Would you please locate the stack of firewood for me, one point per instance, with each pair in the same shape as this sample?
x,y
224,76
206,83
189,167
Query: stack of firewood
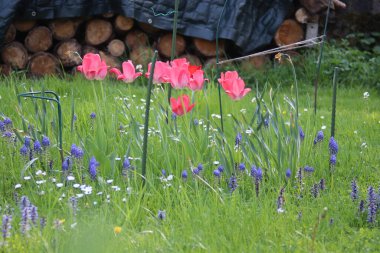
x,y
51,46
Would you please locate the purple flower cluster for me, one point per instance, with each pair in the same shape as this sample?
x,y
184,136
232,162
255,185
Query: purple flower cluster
x,y
232,183
6,226
92,167
45,141
354,190
372,205
319,137
281,201
29,214
301,133
238,139
333,146
76,152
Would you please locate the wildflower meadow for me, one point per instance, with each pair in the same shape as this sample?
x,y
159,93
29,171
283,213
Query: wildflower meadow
x,y
109,160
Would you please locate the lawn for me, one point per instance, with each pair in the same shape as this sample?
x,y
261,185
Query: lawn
x,y
255,186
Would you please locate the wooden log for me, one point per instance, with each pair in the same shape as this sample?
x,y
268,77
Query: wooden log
x,y
42,63
10,34
5,70
136,38
24,25
149,29
210,63
316,6
208,48
39,39
15,55
89,49
123,24
98,31
69,52
303,16
141,55
257,62
63,29
116,47
193,59
164,45
110,60
290,31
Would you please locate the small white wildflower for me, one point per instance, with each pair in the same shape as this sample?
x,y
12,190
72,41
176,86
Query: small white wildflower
x,y
41,193
17,186
95,203
40,182
63,195
323,127
322,117
27,178
366,95
229,115
243,110
305,110
115,187
129,190
170,177
99,193
216,162
355,132
40,172
124,200
117,158
80,195
280,210
109,181
76,185
70,178
59,185
364,145
249,131
87,190
53,180
215,116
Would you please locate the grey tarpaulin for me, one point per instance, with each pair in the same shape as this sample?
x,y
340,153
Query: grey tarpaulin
x,y
250,24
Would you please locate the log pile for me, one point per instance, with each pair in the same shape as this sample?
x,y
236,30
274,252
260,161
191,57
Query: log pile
x,y
46,47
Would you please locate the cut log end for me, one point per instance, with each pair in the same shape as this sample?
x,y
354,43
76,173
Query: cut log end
x,y
208,48
69,53
289,32
39,39
136,38
165,45
123,24
141,55
116,48
257,62
10,34
111,61
63,29
42,64
15,55
24,25
98,31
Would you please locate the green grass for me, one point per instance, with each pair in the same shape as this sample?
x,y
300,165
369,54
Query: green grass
x,y
202,215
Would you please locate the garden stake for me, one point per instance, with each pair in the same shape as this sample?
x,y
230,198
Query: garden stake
x,y
334,102
172,55
218,68
56,99
146,123
316,80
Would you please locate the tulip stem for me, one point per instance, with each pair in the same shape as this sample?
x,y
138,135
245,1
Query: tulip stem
x,y
146,123
173,51
334,102
217,66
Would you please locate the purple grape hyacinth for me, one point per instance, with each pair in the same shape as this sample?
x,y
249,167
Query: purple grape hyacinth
x,y
288,173
232,183
301,133
45,141
6,226
92,167
24,150
354,190
184,174
161,215
319,137
37,146
333,146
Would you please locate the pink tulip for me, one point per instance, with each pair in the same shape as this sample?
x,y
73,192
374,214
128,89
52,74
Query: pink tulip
x,y
179,78
233,85
129,72
196,81
181,105
161,72
180,63
93,67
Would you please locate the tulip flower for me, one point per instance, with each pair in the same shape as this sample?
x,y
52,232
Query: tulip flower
x,y
161,72
233,85
129,72
181,105
196,81
93,67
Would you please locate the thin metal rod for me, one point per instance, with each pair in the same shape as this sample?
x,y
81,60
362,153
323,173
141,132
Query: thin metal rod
x,y
300,44
316,80
334,102
146,123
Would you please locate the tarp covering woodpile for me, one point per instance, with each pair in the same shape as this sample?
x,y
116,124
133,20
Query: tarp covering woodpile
x,y
249,24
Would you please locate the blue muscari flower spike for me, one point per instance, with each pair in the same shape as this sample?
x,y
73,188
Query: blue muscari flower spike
x,y
34,214
266,123
66,164
92,167
332,160
319,137
196,171
196,122
126,163
221,168
200,167
288,173
92,115
354,190
161,215
232,183
242,167
174,116
24,150
6,226
37,146
308,169
301,133
27,141
259,174
216,173
7,121
7,134
45,141
253,171
184,174
163,172
24,202
333,146
372,207
238,139
2,126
